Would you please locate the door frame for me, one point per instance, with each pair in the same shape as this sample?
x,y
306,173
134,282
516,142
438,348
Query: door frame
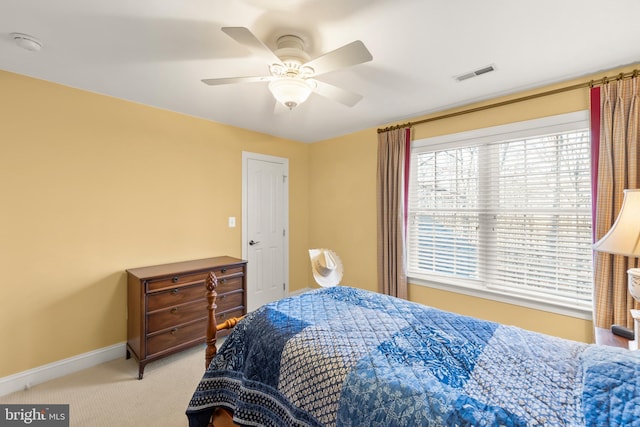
x,y
246,156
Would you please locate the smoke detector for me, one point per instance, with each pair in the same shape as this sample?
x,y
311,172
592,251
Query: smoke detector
x,y
26,42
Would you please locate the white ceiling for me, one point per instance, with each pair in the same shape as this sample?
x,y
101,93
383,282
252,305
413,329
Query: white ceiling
x,y
156,52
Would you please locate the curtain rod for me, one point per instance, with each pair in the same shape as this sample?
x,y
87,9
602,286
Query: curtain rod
x,y
590,83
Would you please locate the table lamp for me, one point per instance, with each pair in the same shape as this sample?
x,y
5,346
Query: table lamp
x,y
624,239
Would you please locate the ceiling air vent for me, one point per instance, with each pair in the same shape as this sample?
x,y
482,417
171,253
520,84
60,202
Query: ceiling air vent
x,y
475,73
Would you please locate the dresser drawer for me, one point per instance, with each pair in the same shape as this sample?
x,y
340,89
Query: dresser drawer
x,y
177,280
176,315
227,284
175,296
176,336
222,316
228,271
228,301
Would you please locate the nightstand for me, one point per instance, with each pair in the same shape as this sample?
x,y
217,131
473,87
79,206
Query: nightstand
x,y
606,337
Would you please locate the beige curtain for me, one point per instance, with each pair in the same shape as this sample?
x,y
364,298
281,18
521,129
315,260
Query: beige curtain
x,y
392,150
617,170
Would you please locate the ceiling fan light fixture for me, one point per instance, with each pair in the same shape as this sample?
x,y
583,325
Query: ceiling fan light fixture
x,y
290,92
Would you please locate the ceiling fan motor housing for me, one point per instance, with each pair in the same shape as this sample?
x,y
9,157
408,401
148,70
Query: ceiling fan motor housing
x,y
291,53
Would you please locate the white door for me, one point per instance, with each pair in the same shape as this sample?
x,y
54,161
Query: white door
x,y
265,227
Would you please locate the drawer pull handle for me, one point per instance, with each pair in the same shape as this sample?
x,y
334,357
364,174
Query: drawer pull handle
x,y
224,270
221,280
174,310
173,331
222,297
174,279
174,291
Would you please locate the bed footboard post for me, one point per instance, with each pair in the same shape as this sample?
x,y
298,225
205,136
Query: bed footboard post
x,y
212,327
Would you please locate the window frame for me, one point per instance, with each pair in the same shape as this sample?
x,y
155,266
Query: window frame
x,y
524,129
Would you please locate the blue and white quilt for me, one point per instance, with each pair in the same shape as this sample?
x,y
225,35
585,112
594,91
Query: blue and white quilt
x,y
347,357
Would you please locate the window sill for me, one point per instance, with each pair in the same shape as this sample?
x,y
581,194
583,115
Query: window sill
x,y
504,298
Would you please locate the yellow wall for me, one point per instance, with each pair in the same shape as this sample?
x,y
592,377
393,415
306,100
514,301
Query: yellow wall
x,y
93,185
342,206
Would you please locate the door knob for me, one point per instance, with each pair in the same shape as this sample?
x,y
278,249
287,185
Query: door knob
x,y
253,242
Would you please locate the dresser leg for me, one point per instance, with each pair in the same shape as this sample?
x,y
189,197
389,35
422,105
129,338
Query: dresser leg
x,y
140,370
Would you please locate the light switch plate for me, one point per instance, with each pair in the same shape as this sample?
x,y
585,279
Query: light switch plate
x,y
232,221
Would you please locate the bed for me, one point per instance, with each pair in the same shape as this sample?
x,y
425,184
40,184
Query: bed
x,y
343,356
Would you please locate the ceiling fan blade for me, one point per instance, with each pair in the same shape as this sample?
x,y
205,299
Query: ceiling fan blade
x,y
346,56
245,37
231,80
335,93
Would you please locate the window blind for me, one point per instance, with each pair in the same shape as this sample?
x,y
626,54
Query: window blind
x,y
510,215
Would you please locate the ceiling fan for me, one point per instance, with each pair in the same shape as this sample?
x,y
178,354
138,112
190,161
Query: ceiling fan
x,y
292,71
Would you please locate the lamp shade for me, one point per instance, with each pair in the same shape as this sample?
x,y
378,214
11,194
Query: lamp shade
x,y
624,236
290,92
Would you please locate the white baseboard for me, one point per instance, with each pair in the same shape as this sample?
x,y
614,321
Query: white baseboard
x,y
26,379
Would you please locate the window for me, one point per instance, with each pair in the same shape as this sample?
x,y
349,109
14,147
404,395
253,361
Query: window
x,y
505,211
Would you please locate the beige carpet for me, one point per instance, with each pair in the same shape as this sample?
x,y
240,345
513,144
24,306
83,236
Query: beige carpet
x,y
110,394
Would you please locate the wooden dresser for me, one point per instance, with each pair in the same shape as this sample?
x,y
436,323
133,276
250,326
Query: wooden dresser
x,y
167,308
